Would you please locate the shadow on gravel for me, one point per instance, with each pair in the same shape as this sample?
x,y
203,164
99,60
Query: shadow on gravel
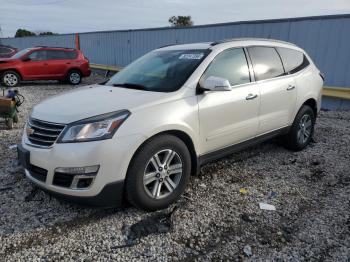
x,y
159,223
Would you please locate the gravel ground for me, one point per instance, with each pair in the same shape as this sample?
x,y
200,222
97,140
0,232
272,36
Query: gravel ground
x,y
212,221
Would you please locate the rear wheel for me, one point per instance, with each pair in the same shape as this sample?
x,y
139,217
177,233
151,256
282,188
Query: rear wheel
x,y
158,173
74,77
10,78
302,129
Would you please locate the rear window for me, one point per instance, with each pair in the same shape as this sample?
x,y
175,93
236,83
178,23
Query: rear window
x,y
293,60
60,54
266,62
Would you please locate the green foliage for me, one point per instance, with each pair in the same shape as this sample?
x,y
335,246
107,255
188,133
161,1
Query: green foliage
x,y
47,33
181,21
23,33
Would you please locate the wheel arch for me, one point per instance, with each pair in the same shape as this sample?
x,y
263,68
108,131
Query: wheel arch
x,y
312,103
185,138
11,69
74,69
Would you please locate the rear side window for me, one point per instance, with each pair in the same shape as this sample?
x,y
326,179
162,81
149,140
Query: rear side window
x,y
293,60
58,54
230,64
266,62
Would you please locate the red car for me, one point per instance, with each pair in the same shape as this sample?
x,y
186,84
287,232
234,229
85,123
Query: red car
x,y
7,51
44,63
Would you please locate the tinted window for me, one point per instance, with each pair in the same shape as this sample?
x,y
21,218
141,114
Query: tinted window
x,y
58,54
230,64
266,62
293,60
38,55
160,71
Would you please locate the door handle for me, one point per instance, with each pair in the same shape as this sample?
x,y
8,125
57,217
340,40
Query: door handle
x,y
290,87
68,63
251,96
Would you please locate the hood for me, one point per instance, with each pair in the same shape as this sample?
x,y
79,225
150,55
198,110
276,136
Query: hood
x,y
91,101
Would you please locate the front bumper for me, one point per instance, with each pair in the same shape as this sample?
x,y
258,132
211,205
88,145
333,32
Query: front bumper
x,y
112,195
112,155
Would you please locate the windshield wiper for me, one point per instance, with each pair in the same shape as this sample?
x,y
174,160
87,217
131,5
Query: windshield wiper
x,y
131,86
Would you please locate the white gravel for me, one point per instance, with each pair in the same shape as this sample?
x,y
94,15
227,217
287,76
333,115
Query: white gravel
x,y
212,221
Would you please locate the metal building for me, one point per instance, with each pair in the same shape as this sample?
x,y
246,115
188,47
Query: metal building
x,y
325,38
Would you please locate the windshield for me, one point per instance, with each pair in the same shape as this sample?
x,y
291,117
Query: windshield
x,y
20,53
160,71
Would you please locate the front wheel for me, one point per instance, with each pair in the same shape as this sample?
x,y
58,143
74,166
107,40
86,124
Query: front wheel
x,y
301,132
10,78
158,173
74,77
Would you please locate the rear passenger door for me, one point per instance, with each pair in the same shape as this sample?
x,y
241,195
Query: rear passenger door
x,y
277,90
59,62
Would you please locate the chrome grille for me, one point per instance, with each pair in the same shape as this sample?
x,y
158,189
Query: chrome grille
x,y
43,134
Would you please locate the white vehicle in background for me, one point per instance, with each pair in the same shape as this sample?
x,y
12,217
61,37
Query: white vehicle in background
x,y
141,135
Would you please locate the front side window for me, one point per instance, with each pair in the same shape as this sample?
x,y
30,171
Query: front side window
x,y
266,62
38,55
159,71
230,64
293,60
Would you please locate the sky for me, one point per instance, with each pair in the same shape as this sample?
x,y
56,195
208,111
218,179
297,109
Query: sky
x,y
70,16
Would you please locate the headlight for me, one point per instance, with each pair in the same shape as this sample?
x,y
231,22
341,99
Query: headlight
x,y
95,128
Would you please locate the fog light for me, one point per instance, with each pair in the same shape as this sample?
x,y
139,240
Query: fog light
x,y
84,182
75,177
78,170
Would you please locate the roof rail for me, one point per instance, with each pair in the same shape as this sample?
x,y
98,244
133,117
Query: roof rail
x,y
43,46
167,45
250,38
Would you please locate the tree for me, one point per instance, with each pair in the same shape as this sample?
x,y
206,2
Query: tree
x,y
22,33
181,21
47,33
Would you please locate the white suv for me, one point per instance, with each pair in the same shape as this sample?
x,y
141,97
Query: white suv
x,y
141,135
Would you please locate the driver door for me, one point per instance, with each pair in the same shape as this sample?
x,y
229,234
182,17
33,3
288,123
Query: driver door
x,y
37,66
229,117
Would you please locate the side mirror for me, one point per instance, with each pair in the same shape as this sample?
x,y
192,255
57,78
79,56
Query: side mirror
x,y
26,59
213,83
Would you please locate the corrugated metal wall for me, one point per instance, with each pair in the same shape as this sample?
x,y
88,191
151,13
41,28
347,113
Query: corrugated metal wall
x,y
325,38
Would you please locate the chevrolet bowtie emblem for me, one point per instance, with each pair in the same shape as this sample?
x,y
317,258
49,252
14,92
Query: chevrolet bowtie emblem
x,y
29,131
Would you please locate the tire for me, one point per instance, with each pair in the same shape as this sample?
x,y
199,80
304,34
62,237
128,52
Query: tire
x,y
74,77
302,130
165,185
10,78
9,123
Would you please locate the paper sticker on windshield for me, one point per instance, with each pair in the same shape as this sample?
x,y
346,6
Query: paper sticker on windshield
x,y
192,56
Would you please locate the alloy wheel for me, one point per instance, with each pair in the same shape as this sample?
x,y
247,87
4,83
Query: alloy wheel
x,y
162,174
74,78
304,129
10,79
